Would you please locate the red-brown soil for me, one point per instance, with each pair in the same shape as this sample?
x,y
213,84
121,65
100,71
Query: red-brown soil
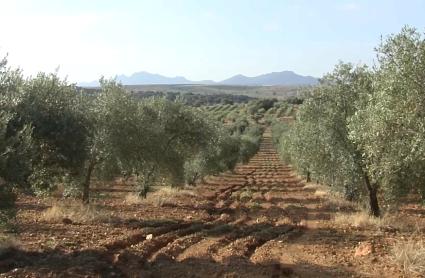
x,y
258,221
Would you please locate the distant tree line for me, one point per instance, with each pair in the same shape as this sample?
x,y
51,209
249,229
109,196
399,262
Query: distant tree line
x,y
196,100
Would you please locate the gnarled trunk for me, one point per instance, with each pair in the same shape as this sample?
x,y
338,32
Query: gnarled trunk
x,y
373,198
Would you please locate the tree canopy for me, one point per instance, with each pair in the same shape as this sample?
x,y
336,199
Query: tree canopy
x,y
362,130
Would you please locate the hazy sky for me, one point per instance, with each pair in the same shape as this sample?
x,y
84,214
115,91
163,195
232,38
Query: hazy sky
x,y
197,39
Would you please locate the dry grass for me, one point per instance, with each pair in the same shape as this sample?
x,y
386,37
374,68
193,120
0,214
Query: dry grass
x,y
76,212
284,221
312,185
245,195
321,193
176,192
320,190
362,219
335,203
235,195
410,255
133,199
166,195
388,221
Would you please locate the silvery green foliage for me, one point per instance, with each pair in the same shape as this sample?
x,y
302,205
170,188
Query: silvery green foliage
x,y
69,136
318,142
15,157
15,152
176,134
390,126
117,138
53,109
15,144
152,139
236,142
367,124
221,154
249,142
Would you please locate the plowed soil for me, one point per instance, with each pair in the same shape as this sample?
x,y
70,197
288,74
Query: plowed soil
x,y
257,221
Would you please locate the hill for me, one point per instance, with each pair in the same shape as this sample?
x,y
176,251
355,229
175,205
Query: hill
x,y
283,78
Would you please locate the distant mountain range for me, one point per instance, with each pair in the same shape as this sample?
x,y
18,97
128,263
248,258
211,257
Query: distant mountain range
x,y
283,78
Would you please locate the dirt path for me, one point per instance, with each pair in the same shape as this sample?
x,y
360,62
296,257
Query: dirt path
x,y
261,223
258,221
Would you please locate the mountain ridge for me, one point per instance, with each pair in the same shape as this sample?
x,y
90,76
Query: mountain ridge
x,y
282,78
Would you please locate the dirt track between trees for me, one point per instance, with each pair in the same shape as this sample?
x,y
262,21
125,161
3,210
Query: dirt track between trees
x,y
257,221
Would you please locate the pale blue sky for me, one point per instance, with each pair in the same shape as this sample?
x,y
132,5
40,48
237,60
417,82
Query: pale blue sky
x,y
197,39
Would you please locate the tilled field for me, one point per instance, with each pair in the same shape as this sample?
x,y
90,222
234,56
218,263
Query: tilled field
x,y
258,221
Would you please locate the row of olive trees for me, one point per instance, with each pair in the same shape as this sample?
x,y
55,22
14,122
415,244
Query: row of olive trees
x,y
53,133
238,142
363,130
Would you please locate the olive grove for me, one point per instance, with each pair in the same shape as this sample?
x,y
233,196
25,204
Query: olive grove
x,y
54,133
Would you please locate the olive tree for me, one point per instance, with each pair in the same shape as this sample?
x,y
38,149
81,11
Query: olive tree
x,y
293,146
59,127
75,133
221,154
319,142
15,144
118,138
175,134
390,126
249,142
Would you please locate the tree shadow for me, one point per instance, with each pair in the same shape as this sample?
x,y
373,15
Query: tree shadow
x,y
57,263
31,206
240,267
100,263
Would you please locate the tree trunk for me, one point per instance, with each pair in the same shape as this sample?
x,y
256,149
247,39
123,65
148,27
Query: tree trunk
x,y
143,191
86,184
373,198
192,181
308,176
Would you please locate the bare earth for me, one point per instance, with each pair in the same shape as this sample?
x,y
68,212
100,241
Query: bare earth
x,y
258,221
